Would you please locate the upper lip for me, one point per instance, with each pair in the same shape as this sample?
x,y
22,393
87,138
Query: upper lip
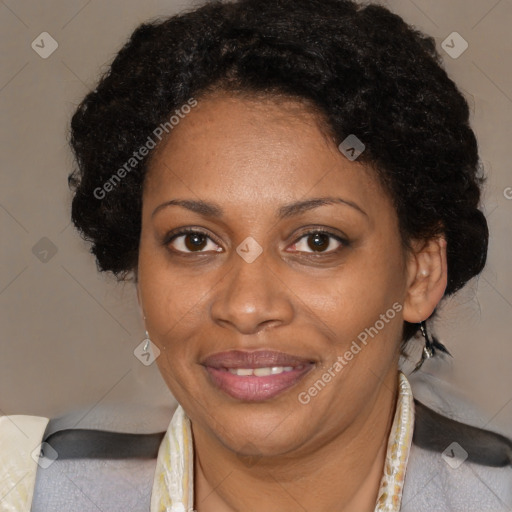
x,y
253,359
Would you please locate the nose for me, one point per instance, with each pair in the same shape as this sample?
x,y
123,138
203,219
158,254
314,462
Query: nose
x,y
252,296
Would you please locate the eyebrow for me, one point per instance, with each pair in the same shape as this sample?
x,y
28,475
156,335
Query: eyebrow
x,y
209,209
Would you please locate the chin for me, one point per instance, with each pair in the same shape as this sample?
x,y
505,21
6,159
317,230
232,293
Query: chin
x,y
261,429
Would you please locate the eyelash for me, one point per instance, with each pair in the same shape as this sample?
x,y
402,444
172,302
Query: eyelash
x,y
170,237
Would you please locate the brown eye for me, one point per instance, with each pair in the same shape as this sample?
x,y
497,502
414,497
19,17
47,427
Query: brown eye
x,y
195,241
191,240
318,242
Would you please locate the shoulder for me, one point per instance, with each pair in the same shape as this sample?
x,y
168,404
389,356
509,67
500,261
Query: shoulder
x,y
443,483
453,464
86,484
94,459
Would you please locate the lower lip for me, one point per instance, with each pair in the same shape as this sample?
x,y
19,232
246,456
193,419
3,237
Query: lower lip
x,y
255,389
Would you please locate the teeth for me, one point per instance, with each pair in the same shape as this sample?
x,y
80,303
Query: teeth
x,y
262,372
242,372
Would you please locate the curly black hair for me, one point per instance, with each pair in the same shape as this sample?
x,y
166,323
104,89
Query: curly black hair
x,y
362,67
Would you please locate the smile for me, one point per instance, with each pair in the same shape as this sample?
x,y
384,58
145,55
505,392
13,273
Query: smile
x,y
255,376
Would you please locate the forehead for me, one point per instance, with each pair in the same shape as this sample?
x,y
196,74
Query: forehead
x,y
241,149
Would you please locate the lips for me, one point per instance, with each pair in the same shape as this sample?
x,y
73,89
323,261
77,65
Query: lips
x,y
254,359
256,375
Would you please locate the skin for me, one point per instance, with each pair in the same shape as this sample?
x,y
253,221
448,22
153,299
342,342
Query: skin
x,y
251,156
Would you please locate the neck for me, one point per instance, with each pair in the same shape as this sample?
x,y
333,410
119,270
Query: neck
x,y
342,475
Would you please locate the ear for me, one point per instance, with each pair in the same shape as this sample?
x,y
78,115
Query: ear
x,y
427,271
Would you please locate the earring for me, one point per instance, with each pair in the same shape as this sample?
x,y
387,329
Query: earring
x,y
431,345
428,349
148,341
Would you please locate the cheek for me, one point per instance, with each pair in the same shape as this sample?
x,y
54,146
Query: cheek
x,y
173,299
356,294
362,306
174,373
176,303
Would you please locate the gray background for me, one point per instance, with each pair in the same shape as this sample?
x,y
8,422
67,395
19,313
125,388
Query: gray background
x,y
69,333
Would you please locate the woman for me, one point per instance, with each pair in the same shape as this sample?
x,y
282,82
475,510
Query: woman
x,y
294,187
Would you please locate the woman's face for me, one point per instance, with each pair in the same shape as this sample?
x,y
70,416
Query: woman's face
x,y
252,314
